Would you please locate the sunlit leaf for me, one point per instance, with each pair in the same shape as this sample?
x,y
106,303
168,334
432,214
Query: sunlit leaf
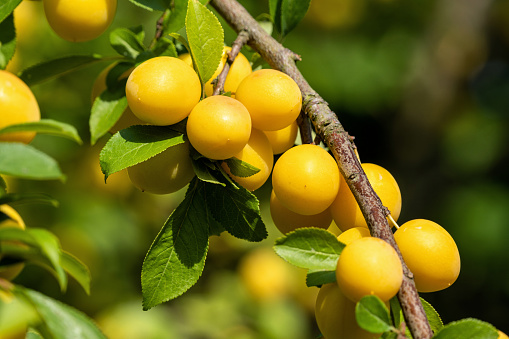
x,y
372,315
46,126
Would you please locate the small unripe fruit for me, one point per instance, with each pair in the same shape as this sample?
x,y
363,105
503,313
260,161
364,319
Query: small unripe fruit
x,y
79,20
346,211
306,179
272,98
353,234
283,139
430,253
163,90
287,221
335,315
369,266
257,153
164,173
219,127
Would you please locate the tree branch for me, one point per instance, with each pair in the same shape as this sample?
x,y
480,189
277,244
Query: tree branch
x,y
332,133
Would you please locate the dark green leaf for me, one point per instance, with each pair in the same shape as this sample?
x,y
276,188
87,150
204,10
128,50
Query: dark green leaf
x,y
396,312
433,317
165,47
275,13
176,259
206,39
115,78
205,173
3,186
372,315
311,248
467,328
240,168
6,8
24,161
106,110
319,278
126,43
57,67
152,5
136,144
27,198
46,126
7,41
238,210
292,12
76,269
59,321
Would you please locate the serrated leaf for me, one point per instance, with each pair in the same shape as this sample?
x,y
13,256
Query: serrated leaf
x,y
319,278
136,144
241,168
6,8
59,321
27,198
467,328
24,161
311,248
126,43
372,315
46,126
238,210
206,39
44,242
7,41
106,110
433,317
176,258
50,69
152,5
205,173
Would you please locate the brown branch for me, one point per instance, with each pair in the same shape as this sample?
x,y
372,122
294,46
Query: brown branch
x,y
159,28
331,131
237,45
305,128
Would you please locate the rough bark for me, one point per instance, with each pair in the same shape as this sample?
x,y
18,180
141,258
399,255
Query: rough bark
x,y
332,133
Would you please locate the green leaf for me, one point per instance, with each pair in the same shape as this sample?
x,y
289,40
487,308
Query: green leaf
x,y
59,321
56,67
27,198
292,12
467,328
177,18
136,144
3,186
372,315
311,248
106,110
176,259
319,278
126,43
33,334
433,317
165,47
6,8
238,210
275,12
206,173
7,41
396,312
152,5
24,161
240,168
206,39
46,126
115,78
76,269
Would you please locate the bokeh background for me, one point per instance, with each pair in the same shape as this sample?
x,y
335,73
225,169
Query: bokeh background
x,y
422,85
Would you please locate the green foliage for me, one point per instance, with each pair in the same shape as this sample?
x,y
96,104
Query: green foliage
x,y
372,315
6,8
46,126
128,42
152,5
286,14
7,41
312,248
467,328
206,39
177,18
47,70
24,161
241,168
23,198
433,317
57,320
136,144
319,278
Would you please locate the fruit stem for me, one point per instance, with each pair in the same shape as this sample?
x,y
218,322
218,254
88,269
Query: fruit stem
x,y
393,222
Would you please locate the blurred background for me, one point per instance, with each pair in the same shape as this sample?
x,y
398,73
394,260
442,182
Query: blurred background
x,y
422,85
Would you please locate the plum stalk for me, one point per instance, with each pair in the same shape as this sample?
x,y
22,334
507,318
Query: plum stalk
x,y
332,133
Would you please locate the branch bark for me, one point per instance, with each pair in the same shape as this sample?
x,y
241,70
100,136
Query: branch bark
x,y
332,133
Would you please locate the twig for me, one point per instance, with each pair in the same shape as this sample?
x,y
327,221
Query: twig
x,y
338,140
305,128
237,45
